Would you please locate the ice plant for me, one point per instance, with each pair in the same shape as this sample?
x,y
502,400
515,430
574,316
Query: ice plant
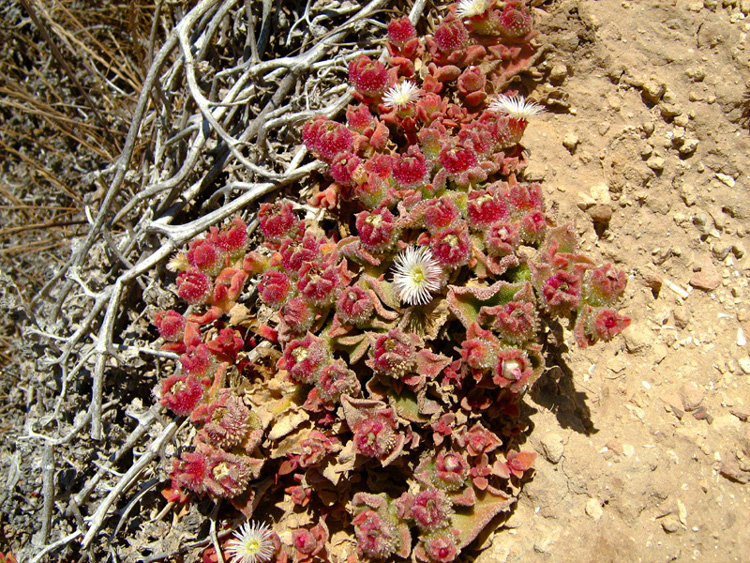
x,y
402,95
515,106
416,275
470,8
377,361
252,543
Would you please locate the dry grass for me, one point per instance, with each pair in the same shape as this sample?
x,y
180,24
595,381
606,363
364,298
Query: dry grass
x,y
69,77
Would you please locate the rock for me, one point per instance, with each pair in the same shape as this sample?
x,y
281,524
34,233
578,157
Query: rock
x,y
570,141
653,91
552,447
601,214
744,363
674,403
731,470
742,414
696,74
669,111
594,509
653,281
637,338
660,352
707,278
738,249
726,179
691,395
585,201
558,73
542,545
655,163
702,414
670,523
741,339
660,255
727,425
682,120
601,194
703,222
688,147
719,217
721,249
687,193
615,446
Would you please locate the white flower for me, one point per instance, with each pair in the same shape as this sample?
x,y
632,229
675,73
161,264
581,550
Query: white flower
x,y
252,543
471,8
402,94
178,263
515,107
417,275
512,370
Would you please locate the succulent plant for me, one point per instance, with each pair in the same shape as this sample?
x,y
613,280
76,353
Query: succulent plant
x,y
403,348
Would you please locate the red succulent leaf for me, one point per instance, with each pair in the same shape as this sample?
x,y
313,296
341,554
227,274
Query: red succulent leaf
x,y
369,77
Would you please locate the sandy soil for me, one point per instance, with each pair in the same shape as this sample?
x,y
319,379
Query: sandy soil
x,y
644,442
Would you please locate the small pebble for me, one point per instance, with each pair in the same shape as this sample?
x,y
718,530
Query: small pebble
x,y
670,523
601,194
744,364
594,509
688,147
697,74
691,395
660,352
655,163
687,193
726,179
682,120
637,338
600,214
669,111
615,446
706,279
703,222
552,447
653,91
721,249
558,73
570,141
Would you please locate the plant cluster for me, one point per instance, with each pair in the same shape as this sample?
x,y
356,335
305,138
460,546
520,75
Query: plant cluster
x,y
381,369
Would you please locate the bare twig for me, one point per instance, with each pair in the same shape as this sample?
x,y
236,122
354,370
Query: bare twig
x,y
48,489
97,519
